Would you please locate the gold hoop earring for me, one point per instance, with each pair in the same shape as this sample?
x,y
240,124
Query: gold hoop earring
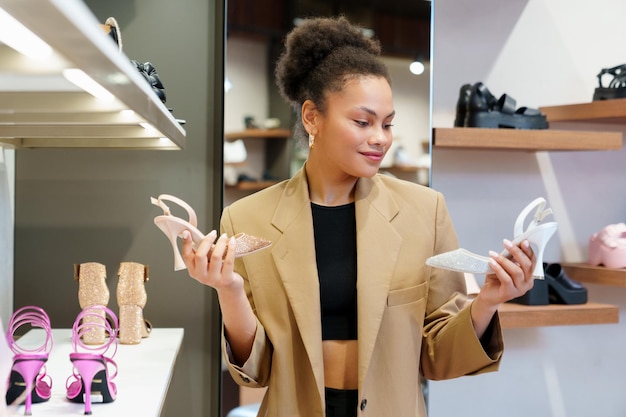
x,y
311,141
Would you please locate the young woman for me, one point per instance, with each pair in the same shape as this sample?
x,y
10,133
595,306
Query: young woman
x,y
341,314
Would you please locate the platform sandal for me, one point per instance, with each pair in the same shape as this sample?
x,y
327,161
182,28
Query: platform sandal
x,y
616,87
483,112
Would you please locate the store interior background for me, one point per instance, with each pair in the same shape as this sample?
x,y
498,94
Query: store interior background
x,y
73,206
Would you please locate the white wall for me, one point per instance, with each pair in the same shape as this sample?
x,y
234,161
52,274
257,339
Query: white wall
x,y
541,52
7,204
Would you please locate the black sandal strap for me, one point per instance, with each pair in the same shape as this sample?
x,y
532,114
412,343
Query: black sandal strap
x,y
506,104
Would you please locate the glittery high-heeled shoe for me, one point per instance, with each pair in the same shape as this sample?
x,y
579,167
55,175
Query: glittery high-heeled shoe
x,y
173,227
28,382
92,291
537,233
131,299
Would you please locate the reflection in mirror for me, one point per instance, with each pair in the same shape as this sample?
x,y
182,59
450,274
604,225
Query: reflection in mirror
x,y
257,122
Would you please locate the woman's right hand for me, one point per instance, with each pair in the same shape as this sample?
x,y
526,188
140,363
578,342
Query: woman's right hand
x,y
212,261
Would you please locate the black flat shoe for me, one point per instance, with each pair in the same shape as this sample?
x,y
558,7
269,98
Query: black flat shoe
x,y
563,289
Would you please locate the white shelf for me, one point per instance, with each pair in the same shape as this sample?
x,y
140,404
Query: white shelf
x,y
144,374
39,108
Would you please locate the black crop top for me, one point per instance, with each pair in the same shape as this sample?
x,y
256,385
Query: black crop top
x,y
335,253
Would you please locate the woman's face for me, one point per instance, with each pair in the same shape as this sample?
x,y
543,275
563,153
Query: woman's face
x,y
354,133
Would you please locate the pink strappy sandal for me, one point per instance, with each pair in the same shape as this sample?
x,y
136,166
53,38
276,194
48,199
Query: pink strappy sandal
x,y
29,383
92,364
174,226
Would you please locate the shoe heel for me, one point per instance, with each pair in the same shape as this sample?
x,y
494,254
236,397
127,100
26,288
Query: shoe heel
x,y
92,291
538,239
28,367
87,368
131,299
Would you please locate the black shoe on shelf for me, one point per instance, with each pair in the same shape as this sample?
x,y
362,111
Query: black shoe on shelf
x,y
563,289
536,296
461,105
616,87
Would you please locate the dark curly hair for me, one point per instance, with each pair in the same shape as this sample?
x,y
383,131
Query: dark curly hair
x,y
320,56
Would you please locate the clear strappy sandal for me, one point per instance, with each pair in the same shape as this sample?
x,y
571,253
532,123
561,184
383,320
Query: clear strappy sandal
x,y
174,226
537,233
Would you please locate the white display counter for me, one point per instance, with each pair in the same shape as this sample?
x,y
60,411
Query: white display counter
x,y
144,374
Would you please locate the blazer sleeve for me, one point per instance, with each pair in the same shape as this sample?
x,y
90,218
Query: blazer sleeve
x,y
255,371
451,347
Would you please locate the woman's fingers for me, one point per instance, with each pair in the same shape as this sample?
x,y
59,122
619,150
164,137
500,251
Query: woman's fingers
x,y
516,270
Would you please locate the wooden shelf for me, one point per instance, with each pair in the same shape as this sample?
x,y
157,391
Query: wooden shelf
x,y
517,315
258,134
604,111
592,274
39,108
525,140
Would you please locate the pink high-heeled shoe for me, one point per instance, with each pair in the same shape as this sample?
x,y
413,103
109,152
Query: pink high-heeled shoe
x,y
93,365
608,246
537,233
173,227
29,383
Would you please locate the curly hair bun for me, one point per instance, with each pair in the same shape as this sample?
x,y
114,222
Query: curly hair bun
x,y
320,53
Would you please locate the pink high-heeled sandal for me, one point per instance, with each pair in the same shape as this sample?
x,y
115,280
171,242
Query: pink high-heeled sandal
x,y
29,383
174,226
537,233
92,363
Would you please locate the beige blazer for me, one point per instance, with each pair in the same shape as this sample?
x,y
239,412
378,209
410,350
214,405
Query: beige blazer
x,y
411,318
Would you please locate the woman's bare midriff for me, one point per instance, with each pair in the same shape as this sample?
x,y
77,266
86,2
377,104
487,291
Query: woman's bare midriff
x,y
340,364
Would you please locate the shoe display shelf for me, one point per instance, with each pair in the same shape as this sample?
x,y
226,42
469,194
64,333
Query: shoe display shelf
x,y
144,374
525,140
276,149
518,315
40,108
591,274
600,112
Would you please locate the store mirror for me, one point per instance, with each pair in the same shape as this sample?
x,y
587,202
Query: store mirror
x,y
257,123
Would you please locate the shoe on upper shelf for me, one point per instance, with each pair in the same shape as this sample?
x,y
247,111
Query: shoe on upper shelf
x,y
477,107
608,246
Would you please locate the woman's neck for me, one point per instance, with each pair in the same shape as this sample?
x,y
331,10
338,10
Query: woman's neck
x,y
326,190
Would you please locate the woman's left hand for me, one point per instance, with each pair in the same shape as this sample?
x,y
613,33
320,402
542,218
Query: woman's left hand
x,y
512,277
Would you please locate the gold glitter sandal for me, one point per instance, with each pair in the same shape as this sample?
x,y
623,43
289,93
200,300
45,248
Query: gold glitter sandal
x,y
173,226
131,299
92,291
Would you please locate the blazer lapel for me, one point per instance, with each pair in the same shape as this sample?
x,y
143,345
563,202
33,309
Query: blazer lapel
x,y
294,257
378,245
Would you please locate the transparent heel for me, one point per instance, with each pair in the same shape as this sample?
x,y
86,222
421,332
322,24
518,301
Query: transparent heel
x,y
537,233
